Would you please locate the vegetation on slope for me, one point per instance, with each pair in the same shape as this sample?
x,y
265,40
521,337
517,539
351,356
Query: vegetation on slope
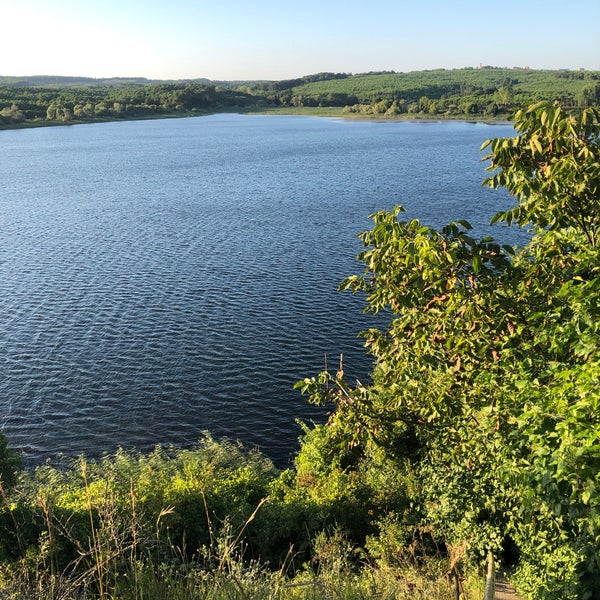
x,y
488,372
214,521
52,105
479,433
484,92
465,93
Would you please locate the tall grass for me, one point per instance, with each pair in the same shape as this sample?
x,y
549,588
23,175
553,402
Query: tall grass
x,y
186,525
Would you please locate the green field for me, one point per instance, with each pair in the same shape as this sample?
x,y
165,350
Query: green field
x,y
529,85
479,92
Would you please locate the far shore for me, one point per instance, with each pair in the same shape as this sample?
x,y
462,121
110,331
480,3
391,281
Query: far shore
x,y
333,112
338,112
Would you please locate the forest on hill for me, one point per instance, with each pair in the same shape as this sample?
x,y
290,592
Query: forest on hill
x,y
460,93
486,91
41,105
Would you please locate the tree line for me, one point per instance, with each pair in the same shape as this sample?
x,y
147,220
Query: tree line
x,y
459,92
21,104
465,93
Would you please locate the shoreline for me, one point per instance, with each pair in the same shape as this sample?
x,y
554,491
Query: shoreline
x,y
333,112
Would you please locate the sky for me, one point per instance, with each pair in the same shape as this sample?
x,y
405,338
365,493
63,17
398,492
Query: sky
x,y
255,39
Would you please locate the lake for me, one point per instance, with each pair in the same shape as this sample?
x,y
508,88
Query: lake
x,y
163,278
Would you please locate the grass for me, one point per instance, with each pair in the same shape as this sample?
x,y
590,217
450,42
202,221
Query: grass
x,y
144,579
310,111
123,529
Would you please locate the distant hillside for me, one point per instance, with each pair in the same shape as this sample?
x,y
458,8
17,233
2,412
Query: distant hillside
x,y
440,82
460,93
61,81
472,91
58,81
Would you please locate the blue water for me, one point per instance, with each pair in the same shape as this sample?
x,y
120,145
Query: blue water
x,y
163,278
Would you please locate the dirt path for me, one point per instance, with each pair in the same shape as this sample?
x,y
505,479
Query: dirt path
x,y
505,591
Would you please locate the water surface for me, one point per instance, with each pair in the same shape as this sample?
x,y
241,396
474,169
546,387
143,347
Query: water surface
x,y
163,278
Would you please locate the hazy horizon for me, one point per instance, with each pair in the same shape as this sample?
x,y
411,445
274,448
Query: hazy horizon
x,y
297,76
189,39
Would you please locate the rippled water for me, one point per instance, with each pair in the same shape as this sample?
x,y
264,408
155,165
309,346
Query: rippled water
x,y
162,278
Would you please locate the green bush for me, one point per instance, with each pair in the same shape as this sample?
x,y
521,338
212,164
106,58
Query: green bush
x,y
10,464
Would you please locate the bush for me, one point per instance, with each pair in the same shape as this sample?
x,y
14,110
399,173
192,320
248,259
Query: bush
x,y
10,464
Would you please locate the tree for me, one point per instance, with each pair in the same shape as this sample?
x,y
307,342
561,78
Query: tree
x,y
14,114
553,458
551,168
487,375
589,95
425,104
505,95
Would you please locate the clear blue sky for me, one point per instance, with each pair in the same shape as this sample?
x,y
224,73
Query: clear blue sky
x,y
254,39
